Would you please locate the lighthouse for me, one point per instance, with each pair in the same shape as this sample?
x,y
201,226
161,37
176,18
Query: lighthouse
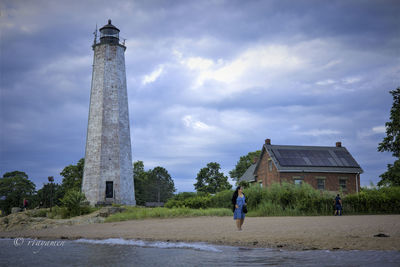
x,y
108,172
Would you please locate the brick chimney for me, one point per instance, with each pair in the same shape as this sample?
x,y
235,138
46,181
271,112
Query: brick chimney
x,y
267,141
255,159
338,144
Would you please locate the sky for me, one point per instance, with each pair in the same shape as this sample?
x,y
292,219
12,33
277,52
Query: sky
x,y
208,81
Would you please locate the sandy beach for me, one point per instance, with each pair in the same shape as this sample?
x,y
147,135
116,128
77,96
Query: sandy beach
x,y
292,233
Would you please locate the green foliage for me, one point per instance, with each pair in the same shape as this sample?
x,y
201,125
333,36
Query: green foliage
x,y
184,195
243,164
201,200
222,199
392,176
58,212
135,213
210,180
38,212
49,194
195,202
154,185
140,181
161,186
244,184
74,202
14,187
73,175
385,200
287,200
391,142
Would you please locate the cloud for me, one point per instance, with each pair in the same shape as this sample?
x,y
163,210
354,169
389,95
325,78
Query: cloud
x,y
152,77
379,129
196,125
325,82
319,132
247,70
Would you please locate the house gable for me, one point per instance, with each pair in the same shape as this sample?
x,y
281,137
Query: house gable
x,y
248,176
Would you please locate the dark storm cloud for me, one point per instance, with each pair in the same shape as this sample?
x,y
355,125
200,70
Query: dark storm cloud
x,y
207,80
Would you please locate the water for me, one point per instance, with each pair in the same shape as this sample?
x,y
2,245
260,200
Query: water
x,y
121,252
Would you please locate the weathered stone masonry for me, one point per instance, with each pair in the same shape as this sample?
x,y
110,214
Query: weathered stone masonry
x,y
108,159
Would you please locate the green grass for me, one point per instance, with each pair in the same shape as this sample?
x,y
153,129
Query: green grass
x,y
137,213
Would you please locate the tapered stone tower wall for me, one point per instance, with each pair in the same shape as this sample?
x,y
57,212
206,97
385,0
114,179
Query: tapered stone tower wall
x,y
108,173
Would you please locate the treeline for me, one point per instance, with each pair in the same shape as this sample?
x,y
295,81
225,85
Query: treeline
x,y
153,185
293,200
66,198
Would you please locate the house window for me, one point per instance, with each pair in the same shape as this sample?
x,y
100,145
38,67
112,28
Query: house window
x,y
343,184
298,181
321,184
270,165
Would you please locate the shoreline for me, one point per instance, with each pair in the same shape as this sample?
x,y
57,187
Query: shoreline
x,y
290,233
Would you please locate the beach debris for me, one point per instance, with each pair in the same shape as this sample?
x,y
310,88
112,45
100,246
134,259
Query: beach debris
x,y
381,235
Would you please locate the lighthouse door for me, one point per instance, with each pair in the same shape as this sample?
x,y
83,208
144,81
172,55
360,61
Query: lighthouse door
x,y
109,189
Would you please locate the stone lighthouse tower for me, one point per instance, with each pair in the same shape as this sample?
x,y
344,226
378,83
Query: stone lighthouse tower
x,y
108,173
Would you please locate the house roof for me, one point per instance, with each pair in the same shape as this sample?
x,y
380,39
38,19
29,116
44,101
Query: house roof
x,y
311,159
248,176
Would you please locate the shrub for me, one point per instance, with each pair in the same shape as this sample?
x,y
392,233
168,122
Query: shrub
x,y
74,202
290,199
382,200
194,202
254,196
222,199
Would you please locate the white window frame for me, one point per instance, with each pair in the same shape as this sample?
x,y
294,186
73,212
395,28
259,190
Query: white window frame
x,y
345,183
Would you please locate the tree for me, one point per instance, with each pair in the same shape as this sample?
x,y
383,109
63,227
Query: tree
x,y
210,180
73,175
391,143
243,164
140,178
160,186
14,187
392,176
153,185
50,192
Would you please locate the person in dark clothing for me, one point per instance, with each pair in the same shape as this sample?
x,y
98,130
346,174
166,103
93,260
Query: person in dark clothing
x,y
338,205
25,203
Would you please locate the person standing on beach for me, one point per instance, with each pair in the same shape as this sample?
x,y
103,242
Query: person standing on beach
x,y
338,205
238,201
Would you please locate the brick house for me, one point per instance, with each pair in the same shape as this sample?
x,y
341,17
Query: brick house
x,y
324,168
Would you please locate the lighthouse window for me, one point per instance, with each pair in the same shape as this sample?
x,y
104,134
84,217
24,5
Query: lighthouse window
x,y
109,33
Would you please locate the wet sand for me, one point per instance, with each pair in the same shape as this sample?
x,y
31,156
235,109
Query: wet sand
x,y
293,233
